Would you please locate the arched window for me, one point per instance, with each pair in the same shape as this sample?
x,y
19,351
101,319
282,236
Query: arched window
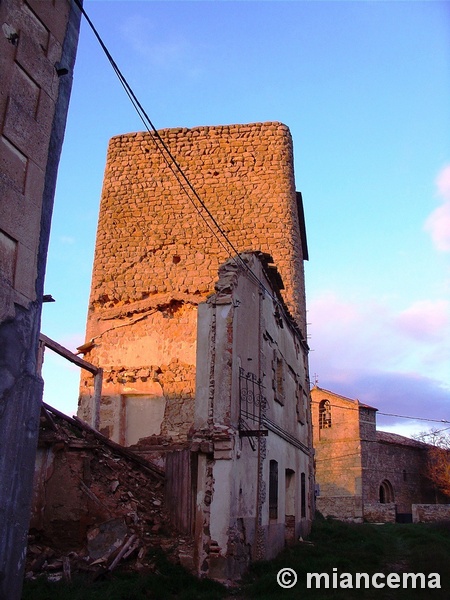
x,y
324,414
386,492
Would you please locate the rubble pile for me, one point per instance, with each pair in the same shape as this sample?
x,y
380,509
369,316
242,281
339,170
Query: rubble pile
x,y
96,505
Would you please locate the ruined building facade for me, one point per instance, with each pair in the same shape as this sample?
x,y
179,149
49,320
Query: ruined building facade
x,y
186,327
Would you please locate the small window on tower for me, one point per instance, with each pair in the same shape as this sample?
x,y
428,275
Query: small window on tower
x,y
324,414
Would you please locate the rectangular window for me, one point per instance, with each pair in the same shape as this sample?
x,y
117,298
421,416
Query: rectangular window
x,y
303,494
300,405
290,492
278,378
273,490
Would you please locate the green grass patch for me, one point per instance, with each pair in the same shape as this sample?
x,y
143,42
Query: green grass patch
x,y
353,548
168,581
350,548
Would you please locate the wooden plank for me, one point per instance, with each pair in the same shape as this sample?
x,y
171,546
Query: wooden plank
x,y
65,353
79,423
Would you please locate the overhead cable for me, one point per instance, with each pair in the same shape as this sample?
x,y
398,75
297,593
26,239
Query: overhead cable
x,y
175,167
383,413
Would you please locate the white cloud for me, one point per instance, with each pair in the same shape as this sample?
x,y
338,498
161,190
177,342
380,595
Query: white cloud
x,y
66,239
341,338
438,223
168,52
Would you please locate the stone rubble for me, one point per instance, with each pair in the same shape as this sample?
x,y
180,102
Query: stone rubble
x,y
97,505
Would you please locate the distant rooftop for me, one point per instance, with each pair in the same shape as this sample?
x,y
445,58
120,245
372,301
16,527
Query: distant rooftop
x,y
400,440
352,400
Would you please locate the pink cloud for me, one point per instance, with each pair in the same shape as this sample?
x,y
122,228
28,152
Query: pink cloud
x,y
344,333
350,337
329,308
443,183
438,223
424,320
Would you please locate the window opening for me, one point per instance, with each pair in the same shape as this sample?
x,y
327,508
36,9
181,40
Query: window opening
x,y
386,492
303,494
273,490
324,414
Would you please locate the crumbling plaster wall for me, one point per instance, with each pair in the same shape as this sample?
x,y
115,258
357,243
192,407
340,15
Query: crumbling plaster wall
x,y
242,336
156,259
149,355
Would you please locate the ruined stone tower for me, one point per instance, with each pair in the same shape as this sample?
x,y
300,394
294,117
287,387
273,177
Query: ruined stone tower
x,y
156,259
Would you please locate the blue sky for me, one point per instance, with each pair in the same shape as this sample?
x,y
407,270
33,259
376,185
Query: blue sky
x,y
365,89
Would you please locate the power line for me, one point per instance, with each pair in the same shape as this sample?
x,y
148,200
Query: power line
x,y
150,127
414,418
176,168
383,413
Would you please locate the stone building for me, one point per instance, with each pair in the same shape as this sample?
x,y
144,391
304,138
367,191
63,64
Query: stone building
x,y
362,473
163,234
252,428
38,42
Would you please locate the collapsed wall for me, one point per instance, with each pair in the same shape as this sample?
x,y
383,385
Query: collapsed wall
x,y
158,253
96,505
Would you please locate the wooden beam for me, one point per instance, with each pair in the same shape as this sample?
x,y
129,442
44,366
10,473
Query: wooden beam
x,y
65,353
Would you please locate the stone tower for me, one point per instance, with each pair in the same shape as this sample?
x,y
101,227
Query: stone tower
x,y
157,257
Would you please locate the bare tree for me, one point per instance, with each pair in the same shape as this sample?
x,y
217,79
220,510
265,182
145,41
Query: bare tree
x,y
438,459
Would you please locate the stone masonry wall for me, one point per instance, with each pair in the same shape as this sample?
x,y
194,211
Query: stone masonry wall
x,y
380,513
344,508
428,513
156,259
38,42
151,239
403,467
337,447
